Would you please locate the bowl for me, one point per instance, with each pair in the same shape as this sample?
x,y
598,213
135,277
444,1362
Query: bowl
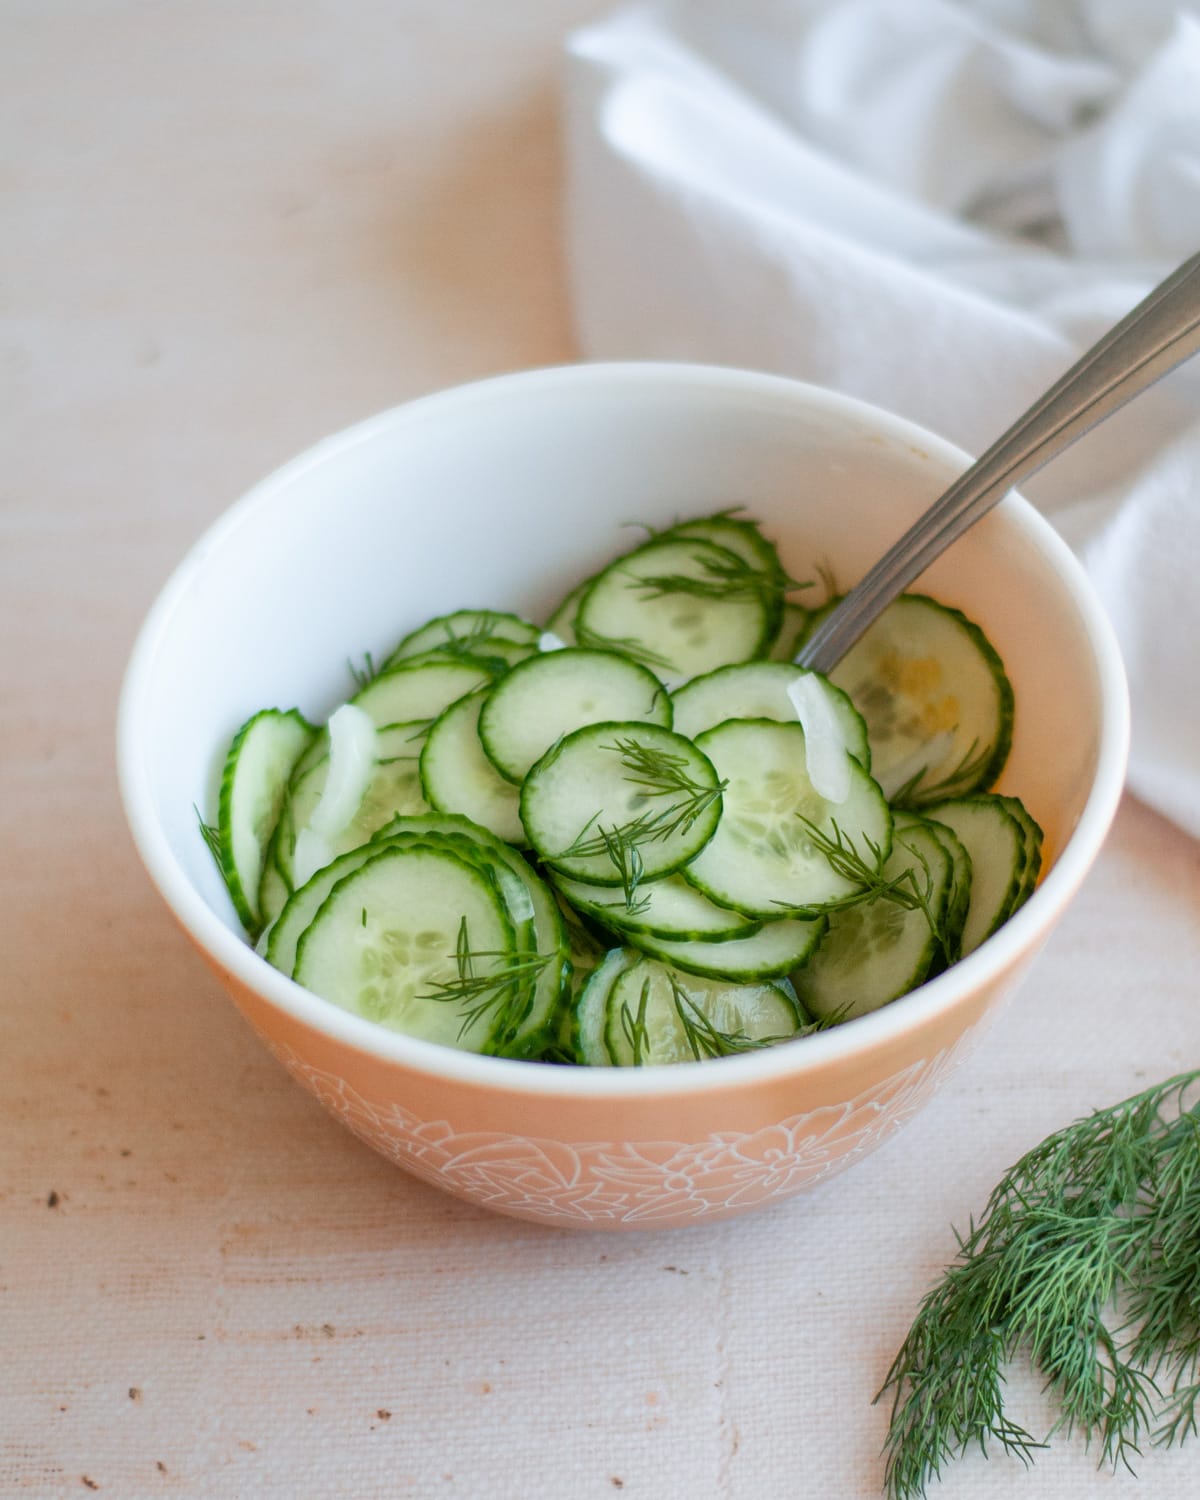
x,y
505,493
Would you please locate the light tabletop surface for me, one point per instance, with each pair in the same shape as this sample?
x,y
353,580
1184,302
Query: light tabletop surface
x,y
229,229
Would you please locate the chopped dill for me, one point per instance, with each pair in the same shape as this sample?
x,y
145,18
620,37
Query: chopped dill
x,y
624,645
732,578
212,837
634,1027
365,674
917,792
626,859
659,773
656,773
871,884
704,1037
472,646
504,989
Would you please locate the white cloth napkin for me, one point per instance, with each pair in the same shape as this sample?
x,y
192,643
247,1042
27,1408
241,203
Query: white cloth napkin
x,y
933,206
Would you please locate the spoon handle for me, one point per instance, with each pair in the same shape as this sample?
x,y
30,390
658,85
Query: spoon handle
x,y
1161,332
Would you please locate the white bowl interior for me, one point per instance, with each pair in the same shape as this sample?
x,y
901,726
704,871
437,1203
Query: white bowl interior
x,y
504,494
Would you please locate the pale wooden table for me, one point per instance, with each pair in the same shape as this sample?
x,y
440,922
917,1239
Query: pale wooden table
x,y
229,230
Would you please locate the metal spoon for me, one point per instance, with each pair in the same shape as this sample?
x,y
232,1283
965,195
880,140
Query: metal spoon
x,y
1161,332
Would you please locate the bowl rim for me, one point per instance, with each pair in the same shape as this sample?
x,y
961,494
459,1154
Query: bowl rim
x,y
1018,938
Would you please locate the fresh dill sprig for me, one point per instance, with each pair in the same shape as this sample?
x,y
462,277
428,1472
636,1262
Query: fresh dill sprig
x,y
769,569
365,674
621,844
732,578
626,859
504,989
473,645
660,773
223,861
212,837
728,513
468,640
842,857
917,792
624,645
656,773
906,889
871,885
704,1037
635,1028
1086,1259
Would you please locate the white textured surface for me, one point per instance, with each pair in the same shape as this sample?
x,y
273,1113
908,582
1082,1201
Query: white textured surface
x,y
835,184
230,230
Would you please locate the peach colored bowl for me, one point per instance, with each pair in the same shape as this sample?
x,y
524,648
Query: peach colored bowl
x,y
504,493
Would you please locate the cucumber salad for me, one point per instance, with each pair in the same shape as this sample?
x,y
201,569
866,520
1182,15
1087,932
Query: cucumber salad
x,y
637,833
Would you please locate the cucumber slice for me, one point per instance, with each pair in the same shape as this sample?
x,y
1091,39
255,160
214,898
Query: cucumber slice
x,y
762,859
877,951
1033,846
591,1008
473,631
253,787
547,941
303,904
656,1015
553,693
457,777
744,539
492,660
681,607
537,977
666,908
404,694
759,690
635,785
392,932
273,889
739,535
936,700
995,841
435,830
958,896
770,953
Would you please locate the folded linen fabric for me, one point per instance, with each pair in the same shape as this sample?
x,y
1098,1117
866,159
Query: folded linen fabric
x,y
933,206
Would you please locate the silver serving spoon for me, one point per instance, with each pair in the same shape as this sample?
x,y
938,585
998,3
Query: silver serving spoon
x,y
1161,332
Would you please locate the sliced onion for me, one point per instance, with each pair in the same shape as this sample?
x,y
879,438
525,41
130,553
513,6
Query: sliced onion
x,y
351,762
826,755
312,853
